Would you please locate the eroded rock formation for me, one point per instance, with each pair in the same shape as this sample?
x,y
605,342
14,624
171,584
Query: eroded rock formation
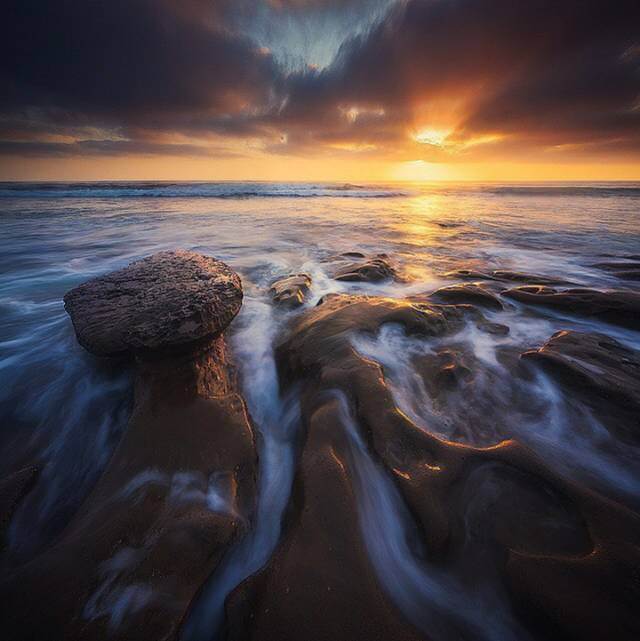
x,y
180,487
506,276
625,270
395,528
484,514
603,373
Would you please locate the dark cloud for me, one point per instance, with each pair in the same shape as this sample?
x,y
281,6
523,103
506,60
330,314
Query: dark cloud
x,y
127,60
107,148
510,78
555,72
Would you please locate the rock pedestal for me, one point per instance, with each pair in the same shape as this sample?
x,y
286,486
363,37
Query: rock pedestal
x,y
180,487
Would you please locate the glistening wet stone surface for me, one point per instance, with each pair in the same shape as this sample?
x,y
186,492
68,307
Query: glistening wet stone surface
x,y
159,302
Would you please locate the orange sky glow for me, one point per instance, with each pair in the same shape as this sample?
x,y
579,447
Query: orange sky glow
x,y
360,90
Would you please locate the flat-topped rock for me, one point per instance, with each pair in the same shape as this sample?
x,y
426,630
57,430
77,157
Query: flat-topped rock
x,y
169,299
291,290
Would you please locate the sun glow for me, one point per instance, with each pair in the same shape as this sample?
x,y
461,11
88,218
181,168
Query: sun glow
x,y
434,137
420,170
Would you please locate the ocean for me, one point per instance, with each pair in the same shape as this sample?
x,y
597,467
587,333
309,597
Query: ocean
x,y
66,410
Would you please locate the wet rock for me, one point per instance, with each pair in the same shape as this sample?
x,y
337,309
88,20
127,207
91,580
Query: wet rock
x,y
162,301
469,293
467,274
616,307
617,266
624,270
523,277
496,329
493,514
291,291
321,337
630,274
320,583
178,491
603,372
505,275
450,370
12,490
371,269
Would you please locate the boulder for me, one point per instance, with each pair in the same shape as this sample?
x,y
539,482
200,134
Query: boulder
x,y
523,277
371,269
291,291
162,301
496,329
616,307
465,274
615,266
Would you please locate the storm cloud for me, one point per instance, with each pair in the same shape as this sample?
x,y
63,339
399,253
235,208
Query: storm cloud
x,y
299,77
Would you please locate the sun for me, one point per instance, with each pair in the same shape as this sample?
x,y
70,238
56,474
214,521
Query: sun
x,y
434,137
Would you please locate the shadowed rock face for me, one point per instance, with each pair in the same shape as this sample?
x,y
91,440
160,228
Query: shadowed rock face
x,y
166,300
291,291
603,372
616,307
12,490
180,487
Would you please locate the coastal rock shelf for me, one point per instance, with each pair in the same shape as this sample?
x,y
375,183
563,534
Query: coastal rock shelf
x,y
428,497
471,505
472,293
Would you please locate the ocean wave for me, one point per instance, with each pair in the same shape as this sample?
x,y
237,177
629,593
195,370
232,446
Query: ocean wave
x,y
195,190
586,190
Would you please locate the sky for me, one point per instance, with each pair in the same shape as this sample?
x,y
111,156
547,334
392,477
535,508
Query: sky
x,y
345,90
